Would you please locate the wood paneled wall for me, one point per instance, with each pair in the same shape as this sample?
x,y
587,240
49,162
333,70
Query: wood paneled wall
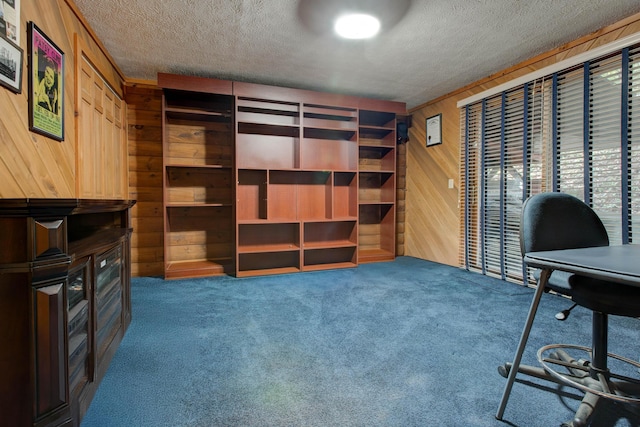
x,y
432,228
32,165
144,117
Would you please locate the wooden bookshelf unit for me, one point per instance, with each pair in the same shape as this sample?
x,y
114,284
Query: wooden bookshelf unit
x,y
198,184
377,189
266,180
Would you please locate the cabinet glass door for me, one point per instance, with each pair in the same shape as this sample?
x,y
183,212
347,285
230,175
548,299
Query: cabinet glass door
x,y
108,296
78,291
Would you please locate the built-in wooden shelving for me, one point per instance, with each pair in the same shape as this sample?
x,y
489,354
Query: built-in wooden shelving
x,y
264,180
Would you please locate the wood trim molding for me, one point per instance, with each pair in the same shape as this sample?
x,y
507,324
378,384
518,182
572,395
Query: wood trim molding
x,y
82,49
74,9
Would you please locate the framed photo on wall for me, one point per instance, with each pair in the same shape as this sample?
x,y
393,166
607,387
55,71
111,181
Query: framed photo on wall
x,y
434,130
46,85
10,20
10,65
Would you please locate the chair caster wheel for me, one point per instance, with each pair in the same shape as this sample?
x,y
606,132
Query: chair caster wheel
x,y
574,423
503,370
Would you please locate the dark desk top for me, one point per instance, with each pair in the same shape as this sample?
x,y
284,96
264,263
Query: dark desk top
x,y
614,263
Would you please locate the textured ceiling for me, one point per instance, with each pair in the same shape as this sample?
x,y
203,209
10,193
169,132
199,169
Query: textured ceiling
x,y
439,45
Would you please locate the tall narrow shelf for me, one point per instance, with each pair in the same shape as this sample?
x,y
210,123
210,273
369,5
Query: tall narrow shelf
x,y
377,186
198,182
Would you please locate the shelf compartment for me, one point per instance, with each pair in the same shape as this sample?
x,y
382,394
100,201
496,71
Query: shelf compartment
x,y
329,258
375,187
328,154
377,159
198,268
269,237
197,141
267,151
251,195
194,185
380,119
345,195
197,235
195,137
314,195
252,264
336,134
330,234
257,111
282,196
376,233
377,137
328,117
257,116
196,103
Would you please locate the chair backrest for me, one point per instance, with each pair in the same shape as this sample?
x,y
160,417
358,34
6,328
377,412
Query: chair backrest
x,y
551,221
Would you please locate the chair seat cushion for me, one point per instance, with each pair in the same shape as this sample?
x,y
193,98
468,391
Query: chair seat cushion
x,y
605,297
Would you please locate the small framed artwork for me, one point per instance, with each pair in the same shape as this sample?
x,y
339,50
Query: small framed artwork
x,y
10,65
10,20
434,130
46,85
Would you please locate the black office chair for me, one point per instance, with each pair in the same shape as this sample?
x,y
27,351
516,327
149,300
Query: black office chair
x,y
551,221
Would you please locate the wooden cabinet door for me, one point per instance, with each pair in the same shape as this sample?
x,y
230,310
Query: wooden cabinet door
x,y
101,156
49,335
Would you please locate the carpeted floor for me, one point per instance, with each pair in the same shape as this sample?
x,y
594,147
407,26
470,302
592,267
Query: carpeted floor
x,y
403,343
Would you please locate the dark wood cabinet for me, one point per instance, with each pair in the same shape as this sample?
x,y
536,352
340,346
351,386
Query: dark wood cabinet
x,y
64,304
312,178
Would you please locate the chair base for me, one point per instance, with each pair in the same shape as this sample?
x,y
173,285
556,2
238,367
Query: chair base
x,y
579,374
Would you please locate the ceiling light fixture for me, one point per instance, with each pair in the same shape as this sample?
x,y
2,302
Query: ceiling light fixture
x,y
327,17
357,26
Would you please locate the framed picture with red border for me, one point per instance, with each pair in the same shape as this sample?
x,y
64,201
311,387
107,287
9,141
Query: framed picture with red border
x,y
46,85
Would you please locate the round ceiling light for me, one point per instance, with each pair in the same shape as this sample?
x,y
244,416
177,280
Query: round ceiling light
x,y
326,17
357,26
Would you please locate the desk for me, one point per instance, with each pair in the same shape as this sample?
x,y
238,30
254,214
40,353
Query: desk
x,y
619,264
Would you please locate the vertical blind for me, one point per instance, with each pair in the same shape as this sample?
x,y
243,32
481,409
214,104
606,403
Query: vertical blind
x,y
576,131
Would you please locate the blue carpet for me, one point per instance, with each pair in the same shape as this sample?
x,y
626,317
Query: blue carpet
x,y
403,343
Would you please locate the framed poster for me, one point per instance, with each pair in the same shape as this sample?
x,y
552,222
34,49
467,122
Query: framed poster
x,y
46,85
10,20
434,130
10,65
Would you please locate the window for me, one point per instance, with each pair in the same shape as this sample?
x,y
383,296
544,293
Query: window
x,y
574,131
